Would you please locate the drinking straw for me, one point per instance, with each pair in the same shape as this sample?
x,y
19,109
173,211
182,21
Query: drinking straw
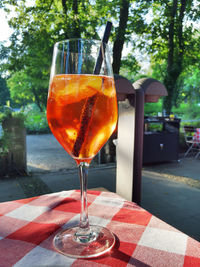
x,y
88,107
104,41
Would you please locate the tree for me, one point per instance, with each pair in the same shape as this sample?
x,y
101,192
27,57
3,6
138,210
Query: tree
x,y
37,28
4,92
173,37
129,67
162,29
189,84
120,35
175,50
165,31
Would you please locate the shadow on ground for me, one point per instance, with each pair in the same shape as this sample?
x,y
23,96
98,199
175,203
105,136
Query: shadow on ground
x,y
170,191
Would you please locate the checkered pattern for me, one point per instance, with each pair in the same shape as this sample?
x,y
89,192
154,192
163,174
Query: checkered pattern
x,y
196,136
27,228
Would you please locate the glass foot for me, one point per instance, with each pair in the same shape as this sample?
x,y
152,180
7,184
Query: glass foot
x,y
100,241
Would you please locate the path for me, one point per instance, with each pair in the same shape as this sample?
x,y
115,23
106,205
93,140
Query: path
x,y
44,153
170,191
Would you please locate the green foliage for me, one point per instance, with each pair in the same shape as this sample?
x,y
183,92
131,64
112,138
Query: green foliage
x,y
35,120
4,144
129,67
8,113
36,28
4,92
187,111
152,109
150,27
154,127
169,38
189,86
20,88
158,69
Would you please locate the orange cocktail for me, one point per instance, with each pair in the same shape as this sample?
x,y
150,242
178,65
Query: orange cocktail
x,y
82,113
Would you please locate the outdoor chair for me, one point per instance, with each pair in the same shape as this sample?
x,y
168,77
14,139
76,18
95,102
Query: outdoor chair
x,y
192,140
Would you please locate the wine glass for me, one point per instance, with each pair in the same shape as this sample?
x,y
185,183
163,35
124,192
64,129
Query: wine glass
x,y
82,115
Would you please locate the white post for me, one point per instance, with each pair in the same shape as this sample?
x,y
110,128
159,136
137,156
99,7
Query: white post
x,y
125,150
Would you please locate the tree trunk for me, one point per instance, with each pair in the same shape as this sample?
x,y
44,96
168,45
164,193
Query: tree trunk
x,y
76,28
64,7
37,99
175,55
170,77
181,47
74,31
120,35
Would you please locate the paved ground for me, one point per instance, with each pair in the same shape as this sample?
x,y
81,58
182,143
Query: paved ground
x,y
185,167
171,191
44,153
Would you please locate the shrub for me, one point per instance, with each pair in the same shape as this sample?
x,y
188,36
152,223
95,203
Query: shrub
x,y
152,109
35,120
188,111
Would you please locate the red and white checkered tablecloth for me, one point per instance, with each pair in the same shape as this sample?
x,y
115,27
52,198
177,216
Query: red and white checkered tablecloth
x,y
27,228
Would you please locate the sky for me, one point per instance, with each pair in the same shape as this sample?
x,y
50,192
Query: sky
x,y
5,30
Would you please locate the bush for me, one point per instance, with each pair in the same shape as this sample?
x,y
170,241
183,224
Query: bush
x,y
189,114
35,120
188,111
152,109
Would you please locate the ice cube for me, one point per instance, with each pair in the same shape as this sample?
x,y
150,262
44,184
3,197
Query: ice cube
x,y
68,89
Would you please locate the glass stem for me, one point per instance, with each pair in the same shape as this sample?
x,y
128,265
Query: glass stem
x,y
84,233
83,175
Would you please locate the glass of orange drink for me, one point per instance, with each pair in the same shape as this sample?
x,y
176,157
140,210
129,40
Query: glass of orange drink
x,y
82,115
